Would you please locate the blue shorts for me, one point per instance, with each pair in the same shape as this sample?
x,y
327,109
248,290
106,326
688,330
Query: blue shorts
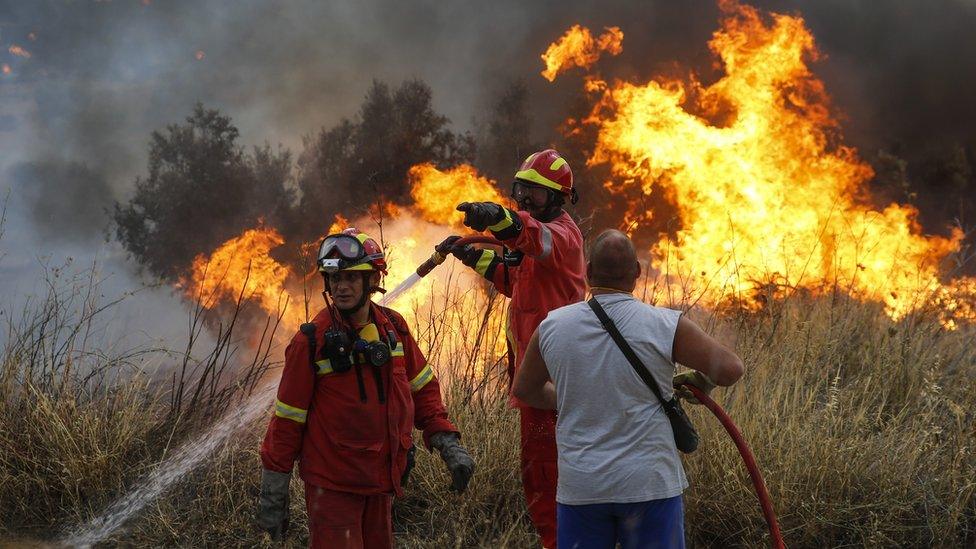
x,y
659,523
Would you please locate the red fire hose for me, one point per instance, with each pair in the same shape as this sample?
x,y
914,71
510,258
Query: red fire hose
x,y
750,461
757,481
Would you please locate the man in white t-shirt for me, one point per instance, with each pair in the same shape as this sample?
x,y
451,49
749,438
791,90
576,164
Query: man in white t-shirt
x,y
620,476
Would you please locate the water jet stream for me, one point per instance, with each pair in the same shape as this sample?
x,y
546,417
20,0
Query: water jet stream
x,y
188,456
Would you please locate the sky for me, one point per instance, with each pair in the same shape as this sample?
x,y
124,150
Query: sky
x,y
88,82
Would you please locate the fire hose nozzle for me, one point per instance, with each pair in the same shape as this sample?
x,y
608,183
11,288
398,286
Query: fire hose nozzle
x,y
426,267
439,257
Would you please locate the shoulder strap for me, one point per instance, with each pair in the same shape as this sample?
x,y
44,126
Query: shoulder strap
x,y
309,330
610,327
395,319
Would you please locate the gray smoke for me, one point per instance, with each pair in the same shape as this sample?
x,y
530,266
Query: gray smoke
x,y
66,200
75,117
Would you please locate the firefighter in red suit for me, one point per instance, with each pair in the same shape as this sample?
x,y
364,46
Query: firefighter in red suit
x,y
353,387
543,271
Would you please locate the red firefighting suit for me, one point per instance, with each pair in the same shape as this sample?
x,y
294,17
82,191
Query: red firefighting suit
x,y
351,443
552,274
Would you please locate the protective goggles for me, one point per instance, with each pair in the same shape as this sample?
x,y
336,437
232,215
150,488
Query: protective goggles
x,y
535,193
342,251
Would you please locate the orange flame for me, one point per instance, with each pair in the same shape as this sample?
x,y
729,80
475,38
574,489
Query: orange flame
x,y
338,225
437,193
199,55
19,51
408,234
578,48
5,68
382,210
243,267
765,197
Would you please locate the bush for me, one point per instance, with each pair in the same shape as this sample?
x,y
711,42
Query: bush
x,y
862,426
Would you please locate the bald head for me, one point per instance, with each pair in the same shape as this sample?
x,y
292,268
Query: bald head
x,y
613,261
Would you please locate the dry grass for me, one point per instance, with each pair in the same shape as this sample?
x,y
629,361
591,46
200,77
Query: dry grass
x,y
864,428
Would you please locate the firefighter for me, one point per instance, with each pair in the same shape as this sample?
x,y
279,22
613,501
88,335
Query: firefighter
x,y
543,270
353,386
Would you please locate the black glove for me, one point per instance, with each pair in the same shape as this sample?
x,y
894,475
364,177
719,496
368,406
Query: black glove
x,y
467,254
481,215
411,461
272,514
447,245
457,459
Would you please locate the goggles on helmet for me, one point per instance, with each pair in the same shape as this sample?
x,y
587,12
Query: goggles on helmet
x,y
342,251
537,194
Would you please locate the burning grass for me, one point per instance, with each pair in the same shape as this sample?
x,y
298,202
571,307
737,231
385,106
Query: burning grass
x,y
862,425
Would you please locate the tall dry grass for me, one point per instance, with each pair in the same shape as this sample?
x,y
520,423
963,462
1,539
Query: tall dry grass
x,y
863,427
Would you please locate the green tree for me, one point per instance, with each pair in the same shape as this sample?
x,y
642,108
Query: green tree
x,y
202,189
506,136
352,165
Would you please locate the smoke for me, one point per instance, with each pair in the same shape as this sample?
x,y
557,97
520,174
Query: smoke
x,y
903,72
75,116
105,74
66,200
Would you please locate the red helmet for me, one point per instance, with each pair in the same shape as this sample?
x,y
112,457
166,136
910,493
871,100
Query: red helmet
x,y
549,169
351,250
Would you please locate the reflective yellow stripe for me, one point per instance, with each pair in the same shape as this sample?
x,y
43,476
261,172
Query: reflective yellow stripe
x,y
558,163
325,365
504,223
536,177
290,412
481,267
423,378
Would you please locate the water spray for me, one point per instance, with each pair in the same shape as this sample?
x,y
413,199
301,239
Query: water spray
x,y
432,262
192,453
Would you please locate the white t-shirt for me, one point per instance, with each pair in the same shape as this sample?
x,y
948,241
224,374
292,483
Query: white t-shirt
x,y
614,439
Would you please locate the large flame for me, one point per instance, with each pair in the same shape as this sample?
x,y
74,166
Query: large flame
x,y
578,48
766,194
436,193
241,267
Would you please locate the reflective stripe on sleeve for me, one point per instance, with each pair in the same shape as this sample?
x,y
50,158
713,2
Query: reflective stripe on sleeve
x,y
481,267
423,378
505,223
290,412
546,243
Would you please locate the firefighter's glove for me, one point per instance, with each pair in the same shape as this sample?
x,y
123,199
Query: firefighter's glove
x,y
695,378
447,245
411,462
481,215
272,515
458,461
